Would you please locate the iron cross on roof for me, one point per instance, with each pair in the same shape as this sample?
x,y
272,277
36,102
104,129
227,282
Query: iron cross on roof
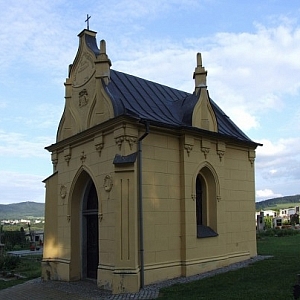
x,y
87,21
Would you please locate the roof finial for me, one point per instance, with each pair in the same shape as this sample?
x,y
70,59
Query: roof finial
x,y
199,60
87,21
199,74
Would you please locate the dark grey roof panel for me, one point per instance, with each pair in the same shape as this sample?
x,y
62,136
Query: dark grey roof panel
x,y
146,99
158,103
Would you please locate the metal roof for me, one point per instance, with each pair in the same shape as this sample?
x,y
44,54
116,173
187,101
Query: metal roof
x,y
157,103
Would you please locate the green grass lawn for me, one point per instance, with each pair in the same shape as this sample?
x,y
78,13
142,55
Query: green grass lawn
x,y
269,279
29,266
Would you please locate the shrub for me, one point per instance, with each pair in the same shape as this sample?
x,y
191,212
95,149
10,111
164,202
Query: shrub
x,y
17,248
12,238
278,232
9,262
268,222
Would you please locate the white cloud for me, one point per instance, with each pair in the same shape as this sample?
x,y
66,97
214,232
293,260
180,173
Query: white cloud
x,y
254,71
17,187
31,33
292,123
280,148
165,66
133,10
266,194
249,74
14,144
243,118
277,168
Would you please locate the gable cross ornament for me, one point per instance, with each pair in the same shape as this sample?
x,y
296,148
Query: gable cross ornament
x,y
88,21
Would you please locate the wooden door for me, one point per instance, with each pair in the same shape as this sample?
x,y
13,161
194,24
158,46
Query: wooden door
x,y
92,250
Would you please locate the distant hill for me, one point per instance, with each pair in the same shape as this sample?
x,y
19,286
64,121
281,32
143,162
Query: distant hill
x,y
281,202
22,210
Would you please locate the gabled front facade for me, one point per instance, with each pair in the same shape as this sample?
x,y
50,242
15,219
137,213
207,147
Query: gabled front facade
x,y
149,182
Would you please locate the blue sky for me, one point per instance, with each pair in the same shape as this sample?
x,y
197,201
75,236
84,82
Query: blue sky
x,y
251,50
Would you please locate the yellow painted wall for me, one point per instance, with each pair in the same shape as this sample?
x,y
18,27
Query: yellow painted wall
x,y
169,171
88,139
170,220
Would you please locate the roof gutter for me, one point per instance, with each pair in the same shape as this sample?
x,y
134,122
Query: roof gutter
x,y
140,200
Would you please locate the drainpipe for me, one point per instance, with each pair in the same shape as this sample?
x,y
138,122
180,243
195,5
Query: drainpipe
x,y
140,199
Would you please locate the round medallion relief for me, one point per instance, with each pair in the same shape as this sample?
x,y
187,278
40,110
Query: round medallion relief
x,y
108,183
63,191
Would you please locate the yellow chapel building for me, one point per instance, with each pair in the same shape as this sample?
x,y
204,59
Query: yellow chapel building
x,y
149,182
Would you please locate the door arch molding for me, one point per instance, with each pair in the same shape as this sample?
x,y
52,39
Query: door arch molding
x,y
82,180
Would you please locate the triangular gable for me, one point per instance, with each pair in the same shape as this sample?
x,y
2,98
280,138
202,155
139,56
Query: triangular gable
x,y
96,93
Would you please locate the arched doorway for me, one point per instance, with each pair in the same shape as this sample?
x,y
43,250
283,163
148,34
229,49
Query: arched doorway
x,y
90,229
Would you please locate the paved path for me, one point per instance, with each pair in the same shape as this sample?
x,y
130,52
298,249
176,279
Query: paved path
x,y
37,289
44,290
26,252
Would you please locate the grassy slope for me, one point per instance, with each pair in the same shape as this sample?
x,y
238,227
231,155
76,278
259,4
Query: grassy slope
x,y
268,279
276,203
30,267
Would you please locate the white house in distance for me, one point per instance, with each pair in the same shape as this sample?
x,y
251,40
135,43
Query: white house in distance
x,y
287,212
278,217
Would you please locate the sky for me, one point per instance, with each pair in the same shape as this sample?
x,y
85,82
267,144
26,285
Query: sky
x,y
251,50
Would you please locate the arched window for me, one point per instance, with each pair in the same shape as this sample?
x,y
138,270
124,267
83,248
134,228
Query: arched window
x,y
206,208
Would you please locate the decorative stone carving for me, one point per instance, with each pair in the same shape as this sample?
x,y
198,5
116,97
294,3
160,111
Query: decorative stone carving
x,y
188,144
119,141
221,147
125,133
63,191
54,159
83,157
83,98
108,183
205,147
131,140
188,148
67,154
99,143
221,154
68,218
84,71
99,148
251,156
